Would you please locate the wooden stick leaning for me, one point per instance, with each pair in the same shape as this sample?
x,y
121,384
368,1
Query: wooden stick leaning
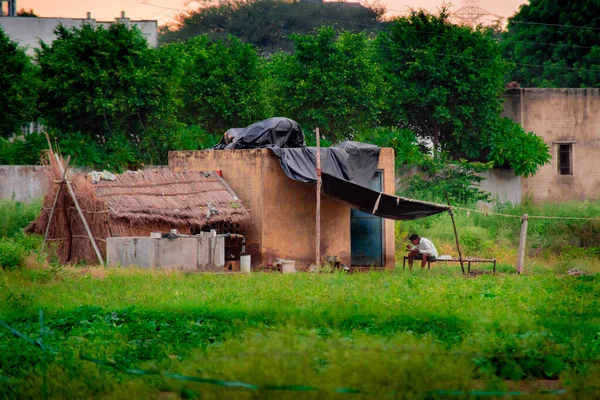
x,y
85,224
462,267
60,186
318,214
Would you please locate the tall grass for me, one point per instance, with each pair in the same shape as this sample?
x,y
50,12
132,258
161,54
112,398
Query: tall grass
x,y
15,246
394,334
550,240
14,216
382,333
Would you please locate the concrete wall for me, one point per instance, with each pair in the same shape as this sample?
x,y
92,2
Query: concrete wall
x,y
282,222
28,182
242,170
561,115
22,182
289,224
190,254
502,184
29,31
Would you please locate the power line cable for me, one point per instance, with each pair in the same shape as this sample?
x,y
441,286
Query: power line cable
x,y
407,12
145,3
555,25
197,31
162,13
535,43
530,22
439,34
520,41
487,213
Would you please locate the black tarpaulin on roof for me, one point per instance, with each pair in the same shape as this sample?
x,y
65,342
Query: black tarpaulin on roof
x,y
278,131
347,168
352,161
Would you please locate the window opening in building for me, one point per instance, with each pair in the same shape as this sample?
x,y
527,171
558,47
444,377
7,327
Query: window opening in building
x,y
565,159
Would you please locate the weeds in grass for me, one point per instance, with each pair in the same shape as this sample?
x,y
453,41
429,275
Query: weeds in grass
x,y
14,216
380,333
394,334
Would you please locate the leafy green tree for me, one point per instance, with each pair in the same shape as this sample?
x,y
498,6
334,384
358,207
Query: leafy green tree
x,y
224,84
446,84
511,146
555,44
108,98
330,81
441,176
27,150
403,141
18,87
268,24
445,81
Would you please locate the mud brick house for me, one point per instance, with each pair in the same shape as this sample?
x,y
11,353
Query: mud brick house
x,y
282,211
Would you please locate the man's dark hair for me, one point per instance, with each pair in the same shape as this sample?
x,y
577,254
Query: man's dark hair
x,y
414,236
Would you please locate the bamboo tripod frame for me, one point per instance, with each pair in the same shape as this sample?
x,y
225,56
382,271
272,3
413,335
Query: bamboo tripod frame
x,y
65,182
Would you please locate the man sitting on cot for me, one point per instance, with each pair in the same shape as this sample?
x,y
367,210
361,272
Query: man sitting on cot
x,y
423,250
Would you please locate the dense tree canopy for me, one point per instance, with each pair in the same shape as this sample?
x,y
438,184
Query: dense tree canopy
x,y
18,87
223,85
445,81
268,24
555,44
107,95
114,102
329,81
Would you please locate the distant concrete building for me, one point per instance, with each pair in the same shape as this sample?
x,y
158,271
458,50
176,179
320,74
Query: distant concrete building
x,y
28,31
569,122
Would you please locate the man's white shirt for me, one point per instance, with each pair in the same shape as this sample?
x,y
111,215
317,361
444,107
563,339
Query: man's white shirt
x,y
426,246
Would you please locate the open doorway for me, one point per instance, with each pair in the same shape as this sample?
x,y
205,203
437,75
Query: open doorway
x,y
366,233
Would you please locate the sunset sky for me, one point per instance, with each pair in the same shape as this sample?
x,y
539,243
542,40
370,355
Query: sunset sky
x,y
163,10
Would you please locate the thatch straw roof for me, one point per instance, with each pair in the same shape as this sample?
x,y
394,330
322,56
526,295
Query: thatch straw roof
x,y
135,204
176,198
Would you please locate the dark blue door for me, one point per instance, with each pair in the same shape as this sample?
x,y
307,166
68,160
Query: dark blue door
x,y
366,233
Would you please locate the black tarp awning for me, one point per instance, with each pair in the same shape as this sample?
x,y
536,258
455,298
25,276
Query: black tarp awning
x,y
378,203
347,168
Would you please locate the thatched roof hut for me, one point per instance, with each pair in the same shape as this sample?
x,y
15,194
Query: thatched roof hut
x,y
136,204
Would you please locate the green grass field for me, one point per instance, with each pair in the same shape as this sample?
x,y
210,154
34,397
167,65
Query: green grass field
x,y
77,332
390,334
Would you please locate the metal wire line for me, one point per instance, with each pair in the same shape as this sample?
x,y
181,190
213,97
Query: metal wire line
x,y
438,53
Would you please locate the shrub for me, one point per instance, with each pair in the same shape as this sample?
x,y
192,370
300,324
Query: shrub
x,y
12,254
441,176
474,239
14,216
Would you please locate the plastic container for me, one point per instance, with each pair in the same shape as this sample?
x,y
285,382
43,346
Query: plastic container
x,y
245,263
288,266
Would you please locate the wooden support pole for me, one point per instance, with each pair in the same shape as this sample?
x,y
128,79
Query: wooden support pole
x,y
85,224
60,186
462,267
318,213
522,242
